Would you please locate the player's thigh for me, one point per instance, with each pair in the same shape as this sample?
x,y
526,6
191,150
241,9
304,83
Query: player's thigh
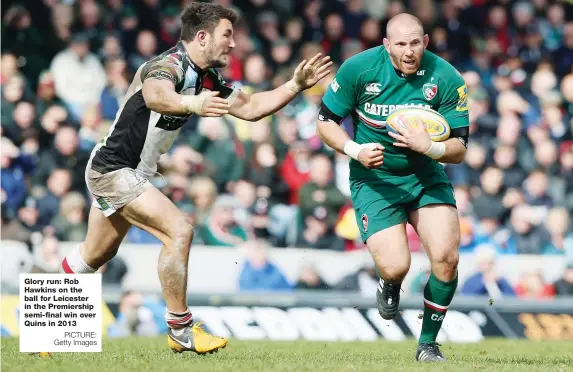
x,y
153,212
104,235
435,219
382,225
389,248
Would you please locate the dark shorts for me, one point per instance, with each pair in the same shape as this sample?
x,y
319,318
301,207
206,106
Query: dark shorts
x,y
383,203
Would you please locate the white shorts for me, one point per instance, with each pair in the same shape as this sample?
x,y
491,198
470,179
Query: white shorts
x,y
115,189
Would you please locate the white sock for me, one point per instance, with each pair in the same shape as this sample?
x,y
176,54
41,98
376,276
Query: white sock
x,y
178,320
74,264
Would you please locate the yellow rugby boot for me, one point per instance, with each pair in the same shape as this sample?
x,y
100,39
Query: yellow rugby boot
x,y
194,338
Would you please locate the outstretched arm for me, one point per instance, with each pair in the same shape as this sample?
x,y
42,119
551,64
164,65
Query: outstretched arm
x,y
256,106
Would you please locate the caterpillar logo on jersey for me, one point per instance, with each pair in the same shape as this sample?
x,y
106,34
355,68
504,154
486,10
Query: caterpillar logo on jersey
x,y
437,317
462,98
365,222
373,88
430,90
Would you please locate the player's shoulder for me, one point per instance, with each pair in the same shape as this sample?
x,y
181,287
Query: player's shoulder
x,y
366,59
363,63
442,69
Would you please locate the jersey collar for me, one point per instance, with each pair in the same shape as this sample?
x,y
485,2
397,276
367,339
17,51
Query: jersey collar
x,y
194,66
402,75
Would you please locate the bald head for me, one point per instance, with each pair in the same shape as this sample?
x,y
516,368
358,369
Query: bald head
x,y
403,21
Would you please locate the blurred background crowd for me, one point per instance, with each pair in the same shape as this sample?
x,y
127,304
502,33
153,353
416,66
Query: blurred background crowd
x,y
66,65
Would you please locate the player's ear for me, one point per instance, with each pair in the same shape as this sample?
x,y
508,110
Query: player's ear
x,y
386,44
426,41
202,37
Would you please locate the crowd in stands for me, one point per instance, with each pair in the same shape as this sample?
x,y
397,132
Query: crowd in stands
x,y
67,64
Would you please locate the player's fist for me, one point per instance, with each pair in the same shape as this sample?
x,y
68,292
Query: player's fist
x,y
211,105
371,155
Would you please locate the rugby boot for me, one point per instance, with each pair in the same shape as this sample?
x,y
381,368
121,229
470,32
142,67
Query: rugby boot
x,y
194,338
388,299
429,352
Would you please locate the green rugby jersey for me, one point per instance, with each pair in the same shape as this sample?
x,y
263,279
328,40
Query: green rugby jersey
x,y
369,88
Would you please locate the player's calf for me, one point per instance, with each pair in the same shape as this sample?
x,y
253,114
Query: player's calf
x,y
173,265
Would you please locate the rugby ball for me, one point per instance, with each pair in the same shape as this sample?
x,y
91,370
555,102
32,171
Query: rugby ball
x,y
436,125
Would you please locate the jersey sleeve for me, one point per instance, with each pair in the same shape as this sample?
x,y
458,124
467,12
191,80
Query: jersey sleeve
x,y
214,81
454,103
166,68
341,97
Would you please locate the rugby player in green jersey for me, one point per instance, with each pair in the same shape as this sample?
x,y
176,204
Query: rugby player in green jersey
x,y
396,178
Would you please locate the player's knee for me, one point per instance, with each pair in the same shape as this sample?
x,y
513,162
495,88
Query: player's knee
x,y
396,271
182,235
447,262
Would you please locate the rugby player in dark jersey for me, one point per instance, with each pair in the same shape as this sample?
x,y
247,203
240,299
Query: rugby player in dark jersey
x,y
164,93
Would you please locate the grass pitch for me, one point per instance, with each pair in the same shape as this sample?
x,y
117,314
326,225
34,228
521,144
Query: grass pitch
x,y
152,354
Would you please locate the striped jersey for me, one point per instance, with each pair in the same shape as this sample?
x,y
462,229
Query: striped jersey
x,y
139,136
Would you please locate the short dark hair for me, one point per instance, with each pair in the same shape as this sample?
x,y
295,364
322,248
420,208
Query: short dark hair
x,y
203,16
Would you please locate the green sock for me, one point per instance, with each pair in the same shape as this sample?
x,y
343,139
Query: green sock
x,y
437,297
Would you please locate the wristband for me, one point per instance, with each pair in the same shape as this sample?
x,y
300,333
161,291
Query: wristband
x,y
436,150
193,104
352,149
292,86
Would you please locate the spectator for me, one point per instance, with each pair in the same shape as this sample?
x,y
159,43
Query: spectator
x,y
78,75
221,227
48,255
219,154
365,280
138,315
564,286
146,49
486,282
66,154
71,222
558,225
15,167
113,272
488,202
295,169
203,193
320,191
318,232
531,285
309,279
116,87
525,236
259,273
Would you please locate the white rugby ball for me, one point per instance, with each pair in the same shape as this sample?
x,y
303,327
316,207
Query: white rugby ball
x,y
436,125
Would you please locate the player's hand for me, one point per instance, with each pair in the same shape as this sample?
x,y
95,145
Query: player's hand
x,y
372,155
212,105
414,137
307,74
